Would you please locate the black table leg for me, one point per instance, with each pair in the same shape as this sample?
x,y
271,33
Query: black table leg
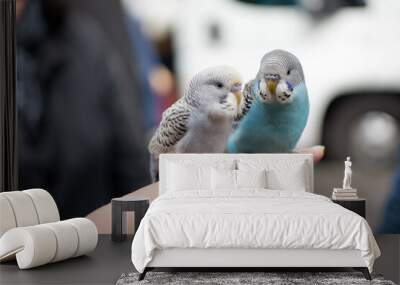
x,y
364,271
116,221
143,274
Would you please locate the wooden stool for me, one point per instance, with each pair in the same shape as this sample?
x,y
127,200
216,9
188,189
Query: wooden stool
x,y
121,205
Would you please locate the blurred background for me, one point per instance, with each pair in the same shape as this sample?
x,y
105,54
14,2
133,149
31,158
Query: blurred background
x,y
94,77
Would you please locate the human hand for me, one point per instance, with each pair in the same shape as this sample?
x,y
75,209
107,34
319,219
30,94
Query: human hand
x,y
318,152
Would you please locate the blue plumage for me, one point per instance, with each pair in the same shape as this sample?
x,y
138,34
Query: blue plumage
x,y
271,127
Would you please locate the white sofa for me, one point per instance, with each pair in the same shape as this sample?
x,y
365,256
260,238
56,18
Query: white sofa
x,y
31,231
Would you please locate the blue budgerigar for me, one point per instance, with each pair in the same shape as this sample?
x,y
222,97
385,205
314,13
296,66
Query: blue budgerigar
x,y
278,107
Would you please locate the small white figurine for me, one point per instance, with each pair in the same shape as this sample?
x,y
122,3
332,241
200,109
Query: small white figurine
x,y
347,174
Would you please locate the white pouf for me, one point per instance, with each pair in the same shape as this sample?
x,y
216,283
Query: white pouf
x,y
37,245
31,230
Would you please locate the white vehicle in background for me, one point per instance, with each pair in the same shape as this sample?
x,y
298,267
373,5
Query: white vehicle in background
x,y
349,51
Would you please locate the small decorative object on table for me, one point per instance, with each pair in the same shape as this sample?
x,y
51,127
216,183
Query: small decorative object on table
x,y
347,192
122,205
347,196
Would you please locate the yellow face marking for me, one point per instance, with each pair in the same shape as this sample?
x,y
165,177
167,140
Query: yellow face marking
x,y
238,96
271,84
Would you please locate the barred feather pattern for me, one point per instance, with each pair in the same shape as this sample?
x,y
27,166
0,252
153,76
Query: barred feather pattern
x,y
174,121
247,101
172,128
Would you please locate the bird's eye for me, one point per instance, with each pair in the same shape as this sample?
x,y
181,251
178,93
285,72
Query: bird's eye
x,y
219,85
288,72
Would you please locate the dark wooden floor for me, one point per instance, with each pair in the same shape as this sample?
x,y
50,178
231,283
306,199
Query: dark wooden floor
x,y
110,260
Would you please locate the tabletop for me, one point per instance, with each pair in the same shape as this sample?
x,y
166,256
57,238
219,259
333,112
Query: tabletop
x,y
110,259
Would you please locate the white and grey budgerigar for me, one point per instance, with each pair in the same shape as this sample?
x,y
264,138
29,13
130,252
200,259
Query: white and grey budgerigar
x,y
202,120
278,110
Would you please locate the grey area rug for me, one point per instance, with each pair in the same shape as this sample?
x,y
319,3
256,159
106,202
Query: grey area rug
x,y
229,278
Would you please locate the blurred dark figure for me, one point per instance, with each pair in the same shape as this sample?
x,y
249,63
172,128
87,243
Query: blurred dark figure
x,y
159,90
391,218
79,127
155,62
147,59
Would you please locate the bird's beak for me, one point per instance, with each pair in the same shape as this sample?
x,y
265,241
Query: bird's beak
x,y
271,84
238,96
237,92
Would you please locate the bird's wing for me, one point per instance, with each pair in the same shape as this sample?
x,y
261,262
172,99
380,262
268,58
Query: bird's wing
x,y
248,98
172,128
